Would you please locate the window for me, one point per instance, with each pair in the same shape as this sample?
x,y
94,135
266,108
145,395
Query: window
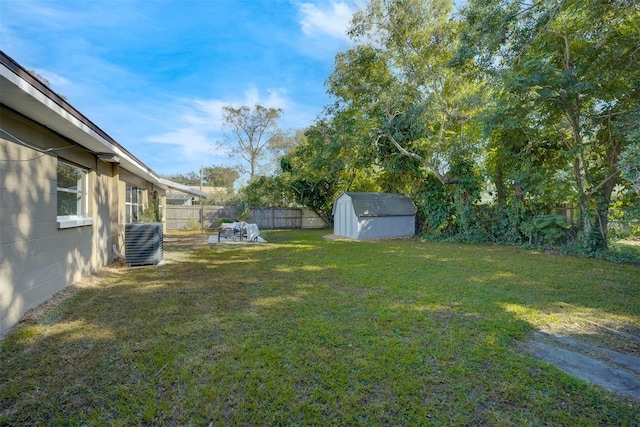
x,y
72,209
133,204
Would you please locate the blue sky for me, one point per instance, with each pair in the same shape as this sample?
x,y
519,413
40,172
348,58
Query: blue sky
x,y
155,74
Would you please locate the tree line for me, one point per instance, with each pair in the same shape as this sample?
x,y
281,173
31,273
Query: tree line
x,y
490,119
254,139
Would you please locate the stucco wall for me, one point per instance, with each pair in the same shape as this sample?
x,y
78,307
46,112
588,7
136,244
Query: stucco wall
x,y
37,259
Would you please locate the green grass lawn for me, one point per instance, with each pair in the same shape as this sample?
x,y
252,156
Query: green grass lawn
x,y
313,332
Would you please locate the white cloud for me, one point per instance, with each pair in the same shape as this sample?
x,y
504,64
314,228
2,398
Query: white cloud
x,y
199,130
332,20
57,81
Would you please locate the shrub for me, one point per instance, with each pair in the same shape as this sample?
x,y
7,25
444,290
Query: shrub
x,y
193,224
244,213
150,214
225,221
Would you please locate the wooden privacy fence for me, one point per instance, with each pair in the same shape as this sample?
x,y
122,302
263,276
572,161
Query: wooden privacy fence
x,y
185,217
276,217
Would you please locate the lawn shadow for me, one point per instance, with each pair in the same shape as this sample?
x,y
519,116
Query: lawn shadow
x,y
304,330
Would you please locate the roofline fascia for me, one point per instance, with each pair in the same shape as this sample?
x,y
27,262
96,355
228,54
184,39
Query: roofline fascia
x,y
18,75
182,188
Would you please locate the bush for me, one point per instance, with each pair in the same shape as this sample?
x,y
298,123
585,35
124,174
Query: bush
x,y
193,224
547,229
618,255
225,221
150,214
244,213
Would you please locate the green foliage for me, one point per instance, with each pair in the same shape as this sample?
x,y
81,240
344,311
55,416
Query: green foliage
x,y
224,197
625,216
501,225
212,176
490,120
548,229
225,221
433,207
267,191
617,253
565,74
219,176
398,81
630,162
190,178
305,331
192,224
315,171
466,194
150,214
243,211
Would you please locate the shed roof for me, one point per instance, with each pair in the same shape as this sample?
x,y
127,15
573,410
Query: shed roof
x,y
381,204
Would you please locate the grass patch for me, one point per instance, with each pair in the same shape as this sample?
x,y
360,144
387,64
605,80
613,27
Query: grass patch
x,y
307,331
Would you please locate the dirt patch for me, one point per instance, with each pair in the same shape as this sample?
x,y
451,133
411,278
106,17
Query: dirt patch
x,y
334,237
87,282
175,249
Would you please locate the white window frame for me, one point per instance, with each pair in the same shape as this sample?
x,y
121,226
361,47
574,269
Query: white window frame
x,y
130,203
81,217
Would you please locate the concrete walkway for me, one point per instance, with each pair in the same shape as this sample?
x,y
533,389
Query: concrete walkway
x,y
612,370
213,239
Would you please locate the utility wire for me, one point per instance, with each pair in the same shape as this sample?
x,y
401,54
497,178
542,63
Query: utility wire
x,y
40,150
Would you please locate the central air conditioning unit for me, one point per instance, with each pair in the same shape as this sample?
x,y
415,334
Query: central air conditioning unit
x,y
143,243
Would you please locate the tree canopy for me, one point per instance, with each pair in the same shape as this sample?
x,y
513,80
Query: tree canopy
x,y
254,133
510,121
212,176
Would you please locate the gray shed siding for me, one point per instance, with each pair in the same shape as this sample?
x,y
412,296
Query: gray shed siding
x,y
373,216
388,226
345,220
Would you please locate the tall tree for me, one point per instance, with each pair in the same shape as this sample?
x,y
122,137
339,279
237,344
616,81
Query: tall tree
x,y
219,176
400,74
313,172
572,63
212,176
253,133
190,178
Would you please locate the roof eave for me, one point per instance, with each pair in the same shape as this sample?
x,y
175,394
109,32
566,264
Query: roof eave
x,y
182,188
25,94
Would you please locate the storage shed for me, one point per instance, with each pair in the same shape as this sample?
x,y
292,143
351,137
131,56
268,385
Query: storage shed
x,y
373,215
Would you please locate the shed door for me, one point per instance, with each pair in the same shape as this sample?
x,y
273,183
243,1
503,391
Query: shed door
x,y
343,219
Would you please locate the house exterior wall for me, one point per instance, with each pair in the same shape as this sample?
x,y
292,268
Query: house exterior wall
x,y
37,258
386,226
